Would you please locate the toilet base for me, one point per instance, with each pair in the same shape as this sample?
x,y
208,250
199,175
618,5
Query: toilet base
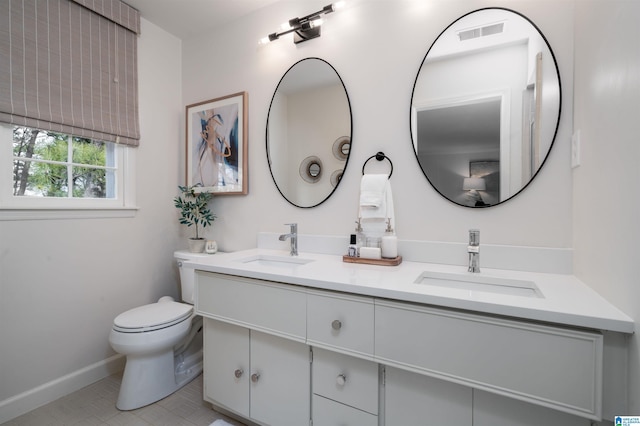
x,y
149,379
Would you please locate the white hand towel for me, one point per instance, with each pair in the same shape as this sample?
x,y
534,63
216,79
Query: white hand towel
x,y
372,189
374,219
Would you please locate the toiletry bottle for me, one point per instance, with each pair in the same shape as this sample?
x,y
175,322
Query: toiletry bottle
x,y
389,242
353,249
360,238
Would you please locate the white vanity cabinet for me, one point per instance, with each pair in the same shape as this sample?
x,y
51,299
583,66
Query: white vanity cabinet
x,y
337,358
254,373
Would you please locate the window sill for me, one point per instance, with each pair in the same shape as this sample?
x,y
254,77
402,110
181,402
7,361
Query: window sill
x,y
7,214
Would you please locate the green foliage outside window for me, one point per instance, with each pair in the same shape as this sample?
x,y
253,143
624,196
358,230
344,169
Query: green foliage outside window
x,y
45,166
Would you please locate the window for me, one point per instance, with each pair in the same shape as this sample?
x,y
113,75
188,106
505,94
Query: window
x,y
68,68
54,171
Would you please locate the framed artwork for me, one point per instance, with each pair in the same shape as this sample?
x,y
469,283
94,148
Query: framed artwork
x,y
217,144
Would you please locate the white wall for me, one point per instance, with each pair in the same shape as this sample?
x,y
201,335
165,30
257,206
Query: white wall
x,y
377,47
606,199
62,282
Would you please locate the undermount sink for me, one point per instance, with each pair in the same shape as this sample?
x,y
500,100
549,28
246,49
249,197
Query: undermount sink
x,y
480,283
275,261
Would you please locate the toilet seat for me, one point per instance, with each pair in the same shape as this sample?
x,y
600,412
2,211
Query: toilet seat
x,y
152,317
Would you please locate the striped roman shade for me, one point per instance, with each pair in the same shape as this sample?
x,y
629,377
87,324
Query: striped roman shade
x,y
70,66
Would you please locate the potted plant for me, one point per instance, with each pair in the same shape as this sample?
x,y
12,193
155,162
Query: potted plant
x,y
194,211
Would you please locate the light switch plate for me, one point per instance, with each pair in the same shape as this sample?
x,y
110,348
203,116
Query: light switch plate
x,y
575,149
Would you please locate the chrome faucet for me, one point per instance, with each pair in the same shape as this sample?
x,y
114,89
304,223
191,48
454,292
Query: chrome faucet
x,y
474,250
293,236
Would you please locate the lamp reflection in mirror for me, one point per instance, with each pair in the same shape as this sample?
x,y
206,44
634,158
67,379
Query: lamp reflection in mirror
x,y
473,185
305,28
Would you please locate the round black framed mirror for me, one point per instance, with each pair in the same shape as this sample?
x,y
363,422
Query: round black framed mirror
x,y
309,118
485,107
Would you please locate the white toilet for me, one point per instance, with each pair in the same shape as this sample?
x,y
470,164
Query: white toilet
x,y
162,342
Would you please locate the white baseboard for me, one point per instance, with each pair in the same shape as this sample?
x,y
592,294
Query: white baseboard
x,y
33,398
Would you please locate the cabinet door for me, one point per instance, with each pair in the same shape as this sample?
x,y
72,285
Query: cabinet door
x,y
496,410
226,365
415,400
281,389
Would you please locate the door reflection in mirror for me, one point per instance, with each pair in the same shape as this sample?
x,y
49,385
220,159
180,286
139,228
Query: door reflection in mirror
x,y
488,90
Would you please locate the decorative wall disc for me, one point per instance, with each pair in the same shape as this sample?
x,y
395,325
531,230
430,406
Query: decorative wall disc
x,y
335,177
311,169
341,147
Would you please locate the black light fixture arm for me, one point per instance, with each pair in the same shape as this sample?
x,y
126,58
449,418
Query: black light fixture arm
x,y
304,28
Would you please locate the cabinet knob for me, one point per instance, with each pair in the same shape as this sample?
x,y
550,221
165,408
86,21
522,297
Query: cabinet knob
x,y
238,373
255,377
336,325
341,379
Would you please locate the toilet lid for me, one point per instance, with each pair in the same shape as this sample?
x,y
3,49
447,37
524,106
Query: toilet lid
x,y
152,317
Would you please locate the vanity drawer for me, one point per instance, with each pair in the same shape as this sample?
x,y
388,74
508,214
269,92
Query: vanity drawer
x,y
351,381
340,322
326,412
556,367
259,305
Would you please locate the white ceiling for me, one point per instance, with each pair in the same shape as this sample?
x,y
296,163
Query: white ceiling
x,y
188,18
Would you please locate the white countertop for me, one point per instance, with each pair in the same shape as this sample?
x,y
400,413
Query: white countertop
x,y
566,300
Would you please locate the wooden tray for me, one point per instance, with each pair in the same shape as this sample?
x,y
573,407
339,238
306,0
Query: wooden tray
x,y
383,262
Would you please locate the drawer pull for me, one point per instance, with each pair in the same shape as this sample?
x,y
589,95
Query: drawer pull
x,y
341,379
255,377
238,373
336,325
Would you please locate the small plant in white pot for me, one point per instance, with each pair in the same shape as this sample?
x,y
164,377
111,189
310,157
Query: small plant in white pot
x,y
194,211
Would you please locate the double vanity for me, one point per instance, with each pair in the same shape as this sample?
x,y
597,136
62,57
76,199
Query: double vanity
x,y
290,340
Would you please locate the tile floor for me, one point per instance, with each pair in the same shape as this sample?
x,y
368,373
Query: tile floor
x,y
95,405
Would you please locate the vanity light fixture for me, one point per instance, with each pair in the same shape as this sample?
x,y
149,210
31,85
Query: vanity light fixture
x,y
304,28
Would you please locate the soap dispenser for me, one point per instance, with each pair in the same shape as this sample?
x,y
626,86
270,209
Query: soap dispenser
x,y
389,242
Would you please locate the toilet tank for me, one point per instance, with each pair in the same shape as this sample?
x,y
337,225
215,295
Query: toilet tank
x,y
187,275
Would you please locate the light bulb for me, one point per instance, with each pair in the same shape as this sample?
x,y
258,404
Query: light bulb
x,y
315,23
338,5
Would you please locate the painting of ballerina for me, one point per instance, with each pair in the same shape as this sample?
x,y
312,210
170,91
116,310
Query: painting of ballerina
x,y
217,145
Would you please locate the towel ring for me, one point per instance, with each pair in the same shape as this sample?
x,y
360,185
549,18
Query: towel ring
x,y
379,156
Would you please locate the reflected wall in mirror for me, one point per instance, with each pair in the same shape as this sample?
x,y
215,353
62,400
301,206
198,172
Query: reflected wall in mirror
x,y
487,93
309,118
